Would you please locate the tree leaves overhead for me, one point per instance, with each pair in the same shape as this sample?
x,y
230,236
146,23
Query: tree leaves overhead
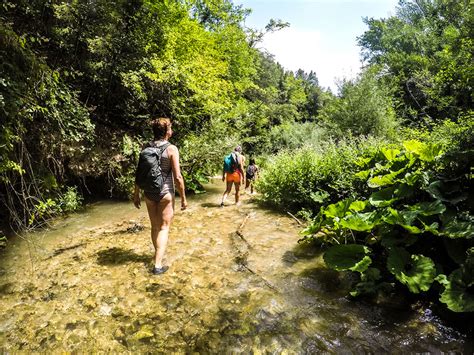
x,y
116,64
427,50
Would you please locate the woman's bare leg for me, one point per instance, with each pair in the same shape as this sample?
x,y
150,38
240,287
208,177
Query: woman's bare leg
x,y
161,215
227,191
237,191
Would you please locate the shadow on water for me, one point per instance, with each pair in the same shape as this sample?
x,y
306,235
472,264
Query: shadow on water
x,y
7,288
301,252
326,280
210,204
119,256
62,250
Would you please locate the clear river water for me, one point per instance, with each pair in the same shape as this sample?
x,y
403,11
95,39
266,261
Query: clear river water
x,y
238,283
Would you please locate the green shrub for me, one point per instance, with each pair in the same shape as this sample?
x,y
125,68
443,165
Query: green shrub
x,y
70,200
414,225
45,209
290,136
363,107
307,177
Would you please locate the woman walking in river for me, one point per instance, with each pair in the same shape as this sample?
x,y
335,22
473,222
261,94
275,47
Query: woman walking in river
x,y
233,174
160,205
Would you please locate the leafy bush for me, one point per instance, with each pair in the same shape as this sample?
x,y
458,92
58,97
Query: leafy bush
x,y
363,107
202,154
290,136
45,209
125,182
44,125
416,223
308,177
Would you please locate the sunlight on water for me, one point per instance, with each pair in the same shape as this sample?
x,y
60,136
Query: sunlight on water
x,y
85,285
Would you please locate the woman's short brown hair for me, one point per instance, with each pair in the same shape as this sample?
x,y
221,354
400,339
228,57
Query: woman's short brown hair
x,y
160,127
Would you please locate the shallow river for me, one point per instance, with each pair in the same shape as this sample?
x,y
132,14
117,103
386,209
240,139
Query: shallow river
x,y
85,285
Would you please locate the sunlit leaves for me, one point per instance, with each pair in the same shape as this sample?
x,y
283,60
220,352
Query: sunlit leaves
x,y
458,229
458,294
427,48
412,208
360,221
428,208
424,151
348,257
417,272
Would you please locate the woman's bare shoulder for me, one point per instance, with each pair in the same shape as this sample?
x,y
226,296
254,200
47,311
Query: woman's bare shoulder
x,y
172,149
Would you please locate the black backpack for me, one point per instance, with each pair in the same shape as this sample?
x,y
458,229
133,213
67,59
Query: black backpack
x,y
149,176
251,171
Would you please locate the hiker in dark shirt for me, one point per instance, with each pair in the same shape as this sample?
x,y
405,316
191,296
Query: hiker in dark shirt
x,y
234,174
160,205
251,175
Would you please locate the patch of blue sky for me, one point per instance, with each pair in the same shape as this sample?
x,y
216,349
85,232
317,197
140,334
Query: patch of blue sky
x,y
322,36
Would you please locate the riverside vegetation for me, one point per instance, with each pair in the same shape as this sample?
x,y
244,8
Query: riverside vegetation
x,y
382,171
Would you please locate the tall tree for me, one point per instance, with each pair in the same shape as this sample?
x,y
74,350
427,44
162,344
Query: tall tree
x,y
427,51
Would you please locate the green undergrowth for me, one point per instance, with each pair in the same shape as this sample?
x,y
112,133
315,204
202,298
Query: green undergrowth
x,y
406,213
308,177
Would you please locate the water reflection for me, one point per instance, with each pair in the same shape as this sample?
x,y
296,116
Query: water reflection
x,y
238,282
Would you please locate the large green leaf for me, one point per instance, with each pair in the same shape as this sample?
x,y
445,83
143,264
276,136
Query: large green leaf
x,y
404,219
386,197
458,294
414,146
417,272
363,175
337,209
447,191
390,154
458,229
385,180
428,208
360,221
358,206
426,152
348,257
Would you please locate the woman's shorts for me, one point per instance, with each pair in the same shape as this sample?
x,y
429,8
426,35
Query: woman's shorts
x,y
233,177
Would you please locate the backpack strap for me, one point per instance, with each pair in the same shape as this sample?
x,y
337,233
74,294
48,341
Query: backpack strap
x,y
159,153
160,150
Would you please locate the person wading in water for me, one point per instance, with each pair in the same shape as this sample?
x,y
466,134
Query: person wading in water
x,y
160,204
233,174
251,175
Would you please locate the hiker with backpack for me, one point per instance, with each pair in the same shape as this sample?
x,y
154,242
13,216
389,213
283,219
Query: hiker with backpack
x,y
251,175
233,173
157,171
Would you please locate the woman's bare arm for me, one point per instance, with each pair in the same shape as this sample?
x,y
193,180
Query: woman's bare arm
x,y
178,178
136,196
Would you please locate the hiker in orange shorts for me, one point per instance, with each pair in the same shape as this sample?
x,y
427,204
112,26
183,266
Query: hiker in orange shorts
x,y
233,173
